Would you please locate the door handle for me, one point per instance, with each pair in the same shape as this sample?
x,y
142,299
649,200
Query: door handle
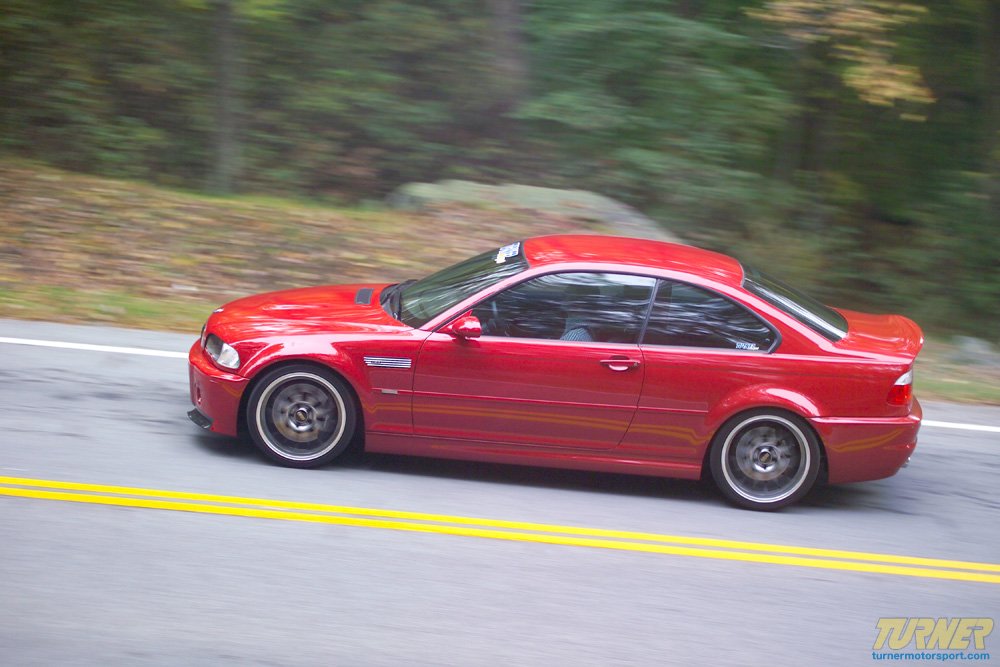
x,y
620,363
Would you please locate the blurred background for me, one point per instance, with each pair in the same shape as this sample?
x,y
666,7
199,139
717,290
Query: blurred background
x,y
161,157
852,147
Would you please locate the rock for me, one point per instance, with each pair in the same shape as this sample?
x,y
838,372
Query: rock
x,y
580,205
974,351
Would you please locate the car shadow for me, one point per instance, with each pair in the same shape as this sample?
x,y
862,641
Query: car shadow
x,y
867,497
861,498
225,446
533,476
494,473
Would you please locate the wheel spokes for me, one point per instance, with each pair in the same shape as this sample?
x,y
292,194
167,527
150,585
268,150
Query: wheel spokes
x,y
303,415
766,462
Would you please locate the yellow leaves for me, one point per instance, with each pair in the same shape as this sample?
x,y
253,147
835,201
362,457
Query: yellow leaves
x,y
814,20
882,83
859,33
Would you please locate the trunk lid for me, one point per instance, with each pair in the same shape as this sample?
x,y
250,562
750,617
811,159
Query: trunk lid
x,y
893,335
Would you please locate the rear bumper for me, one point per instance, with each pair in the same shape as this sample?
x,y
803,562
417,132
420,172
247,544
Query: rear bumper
x,y
215,394
864,449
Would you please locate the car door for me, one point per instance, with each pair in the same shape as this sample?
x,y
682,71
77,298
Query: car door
x,y
557,365
699,347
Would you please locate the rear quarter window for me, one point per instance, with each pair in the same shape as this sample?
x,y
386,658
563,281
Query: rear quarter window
x,y
687,316
807,310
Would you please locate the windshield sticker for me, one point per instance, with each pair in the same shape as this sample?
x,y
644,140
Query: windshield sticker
x,y
508,251
740,345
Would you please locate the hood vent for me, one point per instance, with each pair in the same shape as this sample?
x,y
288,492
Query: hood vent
x,y
364,296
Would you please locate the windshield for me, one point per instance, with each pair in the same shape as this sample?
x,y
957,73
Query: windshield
x,y
423,300
805,309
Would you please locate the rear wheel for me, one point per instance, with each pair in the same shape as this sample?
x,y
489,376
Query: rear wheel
x,y
301,416
765,460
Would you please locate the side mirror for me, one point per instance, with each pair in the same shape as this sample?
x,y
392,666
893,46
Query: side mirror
x,y
466,326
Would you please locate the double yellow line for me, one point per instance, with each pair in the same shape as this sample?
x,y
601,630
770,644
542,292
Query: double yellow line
x,y
517,531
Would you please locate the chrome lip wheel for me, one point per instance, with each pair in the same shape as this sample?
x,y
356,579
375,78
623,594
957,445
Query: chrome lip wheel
x,y
300,416
766,458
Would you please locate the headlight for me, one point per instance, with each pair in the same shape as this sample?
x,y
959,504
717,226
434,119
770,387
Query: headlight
x,y
221,353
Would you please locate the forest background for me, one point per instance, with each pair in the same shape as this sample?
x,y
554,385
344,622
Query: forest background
x,y
850,146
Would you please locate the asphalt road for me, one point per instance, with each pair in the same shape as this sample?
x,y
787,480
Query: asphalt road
x,y
92,584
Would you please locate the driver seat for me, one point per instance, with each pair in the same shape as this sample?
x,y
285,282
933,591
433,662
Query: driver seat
x,y
576,331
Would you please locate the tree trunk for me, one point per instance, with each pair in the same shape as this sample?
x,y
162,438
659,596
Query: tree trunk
x,y
225,165
510,62
991,64
688,9
807,140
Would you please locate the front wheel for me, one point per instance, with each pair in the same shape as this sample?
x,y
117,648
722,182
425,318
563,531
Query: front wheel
x,y
301,416
765,460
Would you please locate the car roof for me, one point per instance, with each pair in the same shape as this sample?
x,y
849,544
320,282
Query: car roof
x,y
644,253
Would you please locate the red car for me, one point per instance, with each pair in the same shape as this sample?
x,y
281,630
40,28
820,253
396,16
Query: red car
x,y
587,352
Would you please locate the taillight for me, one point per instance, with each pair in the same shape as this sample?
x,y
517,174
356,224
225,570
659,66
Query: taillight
x,y
902,391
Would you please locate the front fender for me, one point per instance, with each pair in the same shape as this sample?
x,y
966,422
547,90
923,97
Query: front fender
x,y
383,393
324,353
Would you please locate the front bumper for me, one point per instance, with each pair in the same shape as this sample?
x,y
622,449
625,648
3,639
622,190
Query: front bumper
x,y
859,450
215,393
200,419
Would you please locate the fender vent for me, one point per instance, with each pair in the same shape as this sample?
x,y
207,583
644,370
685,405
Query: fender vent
x,y
388,362
364,296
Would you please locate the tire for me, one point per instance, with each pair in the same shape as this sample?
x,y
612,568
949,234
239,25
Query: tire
x,y
301,416
765,459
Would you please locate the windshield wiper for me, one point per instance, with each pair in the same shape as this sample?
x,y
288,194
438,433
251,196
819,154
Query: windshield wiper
x,y
398,296
386,297
394,295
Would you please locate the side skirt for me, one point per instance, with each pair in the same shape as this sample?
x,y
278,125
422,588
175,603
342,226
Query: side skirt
x,y
549,457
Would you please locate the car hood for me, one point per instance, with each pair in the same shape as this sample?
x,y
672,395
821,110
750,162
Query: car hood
x,y
882,334
329,309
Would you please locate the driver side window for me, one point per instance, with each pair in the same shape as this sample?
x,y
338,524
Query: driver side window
x,y
579,307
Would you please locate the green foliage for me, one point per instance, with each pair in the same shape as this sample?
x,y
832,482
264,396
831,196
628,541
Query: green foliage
x,y
773,129
656,109
953,225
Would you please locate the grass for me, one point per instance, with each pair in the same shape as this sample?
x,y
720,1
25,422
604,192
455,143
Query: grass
x,y
82,249
117,308
940,376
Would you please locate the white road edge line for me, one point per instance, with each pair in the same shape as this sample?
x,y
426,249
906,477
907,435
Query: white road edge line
x,y
94,348
961,427
183,355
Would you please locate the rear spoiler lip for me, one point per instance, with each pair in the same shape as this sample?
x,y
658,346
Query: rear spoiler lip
x,y
905,342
